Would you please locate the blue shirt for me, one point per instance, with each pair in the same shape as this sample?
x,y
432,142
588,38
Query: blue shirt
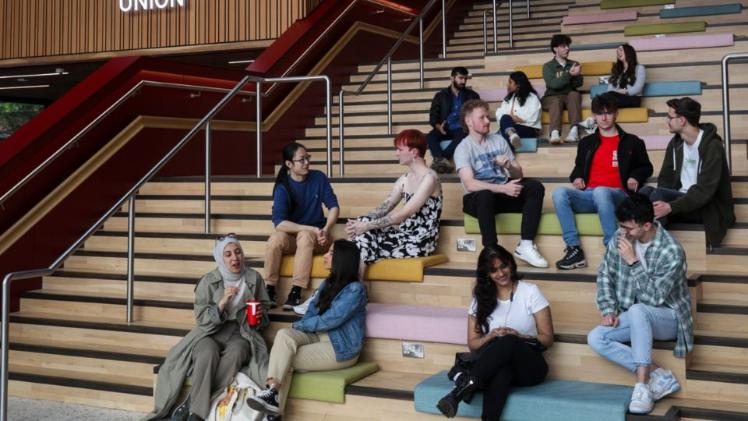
x,y
453,119
310,194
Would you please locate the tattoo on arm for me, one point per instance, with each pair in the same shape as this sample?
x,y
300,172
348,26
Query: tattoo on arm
x,y
381,210
380,222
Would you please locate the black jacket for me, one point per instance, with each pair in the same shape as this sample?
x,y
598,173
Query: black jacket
x,y
633,160
441,105
712,193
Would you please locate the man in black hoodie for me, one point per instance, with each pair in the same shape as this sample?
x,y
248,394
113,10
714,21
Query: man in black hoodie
x,y
694,181
444,117
610,164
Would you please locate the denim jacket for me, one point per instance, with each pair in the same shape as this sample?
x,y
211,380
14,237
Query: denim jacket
x,y
343,321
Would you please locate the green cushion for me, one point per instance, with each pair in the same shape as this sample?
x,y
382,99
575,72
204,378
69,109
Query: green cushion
x,y
511,223
664,28
329,386
618,4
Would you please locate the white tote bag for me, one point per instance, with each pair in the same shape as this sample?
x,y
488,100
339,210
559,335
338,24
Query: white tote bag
x,y
231,404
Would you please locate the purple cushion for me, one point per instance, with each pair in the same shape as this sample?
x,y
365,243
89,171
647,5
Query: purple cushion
x,y
498,94
600,17
657,143
679,42
416,323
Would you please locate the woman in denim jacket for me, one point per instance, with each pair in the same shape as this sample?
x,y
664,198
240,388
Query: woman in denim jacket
x,y
329,336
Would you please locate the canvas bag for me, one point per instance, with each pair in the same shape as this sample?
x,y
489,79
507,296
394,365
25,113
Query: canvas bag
x,y
231,404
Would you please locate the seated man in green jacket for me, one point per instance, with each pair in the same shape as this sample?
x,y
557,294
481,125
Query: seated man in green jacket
x,y
694,181
562,78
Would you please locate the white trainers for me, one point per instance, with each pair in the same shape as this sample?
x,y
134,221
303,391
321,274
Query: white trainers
x,y
641,400
573,136
555,137
515,140
302,308
662,383
531,255
588,124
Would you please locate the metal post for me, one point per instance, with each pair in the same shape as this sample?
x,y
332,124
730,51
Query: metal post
x,y
495,35
528,9
511,39
207,177
130,255
258,127
420,49
389,95
6,326
485,35
444,31
726,110
341,134
328,123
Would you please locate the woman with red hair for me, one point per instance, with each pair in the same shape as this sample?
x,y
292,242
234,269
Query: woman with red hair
x,y
413,229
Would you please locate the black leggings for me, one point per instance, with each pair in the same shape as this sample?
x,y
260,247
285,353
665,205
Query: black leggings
x,y
626,101
503,362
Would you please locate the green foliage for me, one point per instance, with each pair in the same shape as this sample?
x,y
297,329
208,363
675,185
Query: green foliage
x,y
14,115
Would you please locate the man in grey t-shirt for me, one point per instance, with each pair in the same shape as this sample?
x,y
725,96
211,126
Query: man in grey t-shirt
x,y
492,179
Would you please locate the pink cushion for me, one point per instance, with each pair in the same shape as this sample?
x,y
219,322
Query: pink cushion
x,y
656,143
678,42
416,323
600,17
498,94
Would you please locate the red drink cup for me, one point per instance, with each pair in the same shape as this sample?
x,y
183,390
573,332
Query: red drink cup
x,y
253,311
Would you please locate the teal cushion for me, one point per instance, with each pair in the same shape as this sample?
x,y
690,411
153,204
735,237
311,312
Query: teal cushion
x,y
329,386
682,12
665,88
557,400
511,223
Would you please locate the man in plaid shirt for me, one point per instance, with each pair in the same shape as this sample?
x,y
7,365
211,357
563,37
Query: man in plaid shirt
x,y
642,294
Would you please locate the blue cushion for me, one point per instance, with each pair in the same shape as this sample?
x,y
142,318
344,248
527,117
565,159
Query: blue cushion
x,y
558,400
682,12
664,88
529,144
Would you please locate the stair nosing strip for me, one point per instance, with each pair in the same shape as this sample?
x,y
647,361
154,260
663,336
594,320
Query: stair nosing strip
x,y
86,353
77,324
81,384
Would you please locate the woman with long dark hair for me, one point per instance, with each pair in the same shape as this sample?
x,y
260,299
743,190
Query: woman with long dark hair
x,y
330,336
300,225
509,327
519,113
627,78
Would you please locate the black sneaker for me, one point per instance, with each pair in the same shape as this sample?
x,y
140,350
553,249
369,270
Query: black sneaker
x,y
573,259
266,401
272,418
182,411
294,299
271,293
195,417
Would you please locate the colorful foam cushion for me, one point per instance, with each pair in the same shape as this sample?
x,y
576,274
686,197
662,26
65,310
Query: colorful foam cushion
x,y
681,42
625,115
406,270
416,323
498,94
663,88
329,386
619,4
592,68
511,223
558,400
664,28
656,142
719,9
617,16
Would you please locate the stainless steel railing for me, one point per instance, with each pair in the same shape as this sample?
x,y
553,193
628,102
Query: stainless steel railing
x,y
418,20
726,104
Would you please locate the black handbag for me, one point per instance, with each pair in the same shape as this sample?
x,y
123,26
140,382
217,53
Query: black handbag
x,y
464,362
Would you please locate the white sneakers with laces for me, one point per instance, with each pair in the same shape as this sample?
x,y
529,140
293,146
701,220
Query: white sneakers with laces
x,y
573,136
555,137
641,400
531,255
662,383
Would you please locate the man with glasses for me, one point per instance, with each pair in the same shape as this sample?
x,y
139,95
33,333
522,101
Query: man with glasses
x,y
694,181
609,164
642,295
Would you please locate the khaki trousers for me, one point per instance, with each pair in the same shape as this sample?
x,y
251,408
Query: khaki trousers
x,y
300,351
215,361
304,243
555,105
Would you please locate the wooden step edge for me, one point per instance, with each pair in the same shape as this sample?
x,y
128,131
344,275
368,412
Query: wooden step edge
x,y
724,279
86,353
178,235
725,341
121,277
80,384
717,376
116,327
728,251
734,309
217,197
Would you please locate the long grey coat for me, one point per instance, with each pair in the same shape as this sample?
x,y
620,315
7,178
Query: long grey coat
x,y
178,363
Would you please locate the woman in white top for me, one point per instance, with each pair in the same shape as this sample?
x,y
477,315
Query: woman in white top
x,y
508,329
519,113
627,78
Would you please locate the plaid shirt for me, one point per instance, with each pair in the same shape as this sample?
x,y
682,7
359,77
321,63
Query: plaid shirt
x,y
662,284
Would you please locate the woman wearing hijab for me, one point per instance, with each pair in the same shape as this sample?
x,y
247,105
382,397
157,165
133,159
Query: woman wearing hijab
x,y
222,342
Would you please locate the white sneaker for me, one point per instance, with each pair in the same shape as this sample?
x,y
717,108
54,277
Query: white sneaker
x,y
555,138
662,383
573,136
641,400
515,140
531,255
588,124
302,308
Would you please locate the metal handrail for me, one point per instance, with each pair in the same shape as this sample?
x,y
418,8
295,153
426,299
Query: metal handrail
x,y
388,59
726,104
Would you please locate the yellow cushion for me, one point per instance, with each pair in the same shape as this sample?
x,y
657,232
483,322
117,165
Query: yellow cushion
x,y
405,270
625,115
592,68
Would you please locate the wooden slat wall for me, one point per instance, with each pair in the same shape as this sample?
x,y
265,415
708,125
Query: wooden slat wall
x,y
38,28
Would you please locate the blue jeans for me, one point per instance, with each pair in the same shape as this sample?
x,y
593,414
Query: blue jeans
x,y
639,326
435,137
506,122
602,200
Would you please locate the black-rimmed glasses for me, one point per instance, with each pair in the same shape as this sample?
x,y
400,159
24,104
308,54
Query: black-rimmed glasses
x,y
305,158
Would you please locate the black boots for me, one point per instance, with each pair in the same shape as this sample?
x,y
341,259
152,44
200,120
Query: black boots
x,y
463,390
